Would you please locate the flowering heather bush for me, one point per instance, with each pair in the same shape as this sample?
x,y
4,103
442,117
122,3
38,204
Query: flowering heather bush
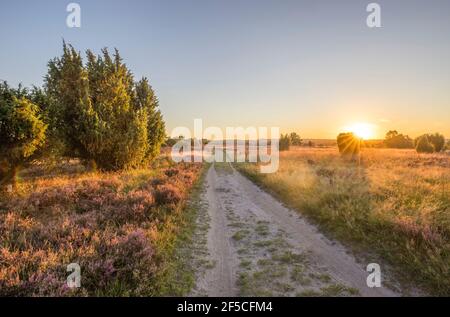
x,y
167,194
110,224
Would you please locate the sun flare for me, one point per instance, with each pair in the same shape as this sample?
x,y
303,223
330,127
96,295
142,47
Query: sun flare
x,y
362,130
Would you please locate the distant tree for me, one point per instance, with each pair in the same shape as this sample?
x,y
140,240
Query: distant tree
x,y
22,131
423,145
436,140
348,144
285,142
100,113
310,143
399,141
295,139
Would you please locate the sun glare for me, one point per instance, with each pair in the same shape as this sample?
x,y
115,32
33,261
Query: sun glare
x,y
362,130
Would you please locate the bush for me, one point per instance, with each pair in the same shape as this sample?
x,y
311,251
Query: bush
x,y
285,142
436,140
423,145
167,194
22,131
348,144
295,139
398,141
100,112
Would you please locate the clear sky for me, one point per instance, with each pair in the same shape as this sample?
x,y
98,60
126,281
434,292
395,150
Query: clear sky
x,y
308,66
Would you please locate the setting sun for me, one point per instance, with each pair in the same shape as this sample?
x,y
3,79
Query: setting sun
x,y
362,130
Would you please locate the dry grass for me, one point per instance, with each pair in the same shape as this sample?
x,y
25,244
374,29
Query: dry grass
x,y
120,228
396,203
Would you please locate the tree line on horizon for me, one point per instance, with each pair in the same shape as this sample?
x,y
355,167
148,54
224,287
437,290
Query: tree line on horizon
x,y
93,110
349,143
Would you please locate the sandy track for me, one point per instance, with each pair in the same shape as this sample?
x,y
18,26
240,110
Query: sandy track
x,y
258,247
220,278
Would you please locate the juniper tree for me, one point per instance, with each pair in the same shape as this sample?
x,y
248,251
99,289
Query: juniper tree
x,y
99,114
22,131
146,100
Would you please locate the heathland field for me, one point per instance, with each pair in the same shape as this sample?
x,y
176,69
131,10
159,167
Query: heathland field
x,y
395,204
121,228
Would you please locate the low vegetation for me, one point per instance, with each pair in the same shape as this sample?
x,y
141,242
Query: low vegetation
x,y
120,227
396,203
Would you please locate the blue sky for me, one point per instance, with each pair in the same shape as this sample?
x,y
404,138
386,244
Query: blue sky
x,y
309,66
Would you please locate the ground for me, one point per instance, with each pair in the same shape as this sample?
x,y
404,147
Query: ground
x,y
258,247
121,228
394,204
310,229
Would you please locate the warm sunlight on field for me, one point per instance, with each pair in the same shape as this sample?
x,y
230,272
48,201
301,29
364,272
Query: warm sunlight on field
x,y
397,204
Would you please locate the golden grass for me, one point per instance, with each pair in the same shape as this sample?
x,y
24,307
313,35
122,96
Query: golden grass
x,y
396,203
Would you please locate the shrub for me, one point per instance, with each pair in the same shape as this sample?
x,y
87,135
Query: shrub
x,y
285,142
398,141
167,194
423,145
348,144
22,131
436,140
295,139
101,113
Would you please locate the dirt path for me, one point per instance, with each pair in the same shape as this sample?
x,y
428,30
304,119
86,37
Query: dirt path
x,y
257,247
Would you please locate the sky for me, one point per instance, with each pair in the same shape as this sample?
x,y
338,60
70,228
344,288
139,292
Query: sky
x,y
313,67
